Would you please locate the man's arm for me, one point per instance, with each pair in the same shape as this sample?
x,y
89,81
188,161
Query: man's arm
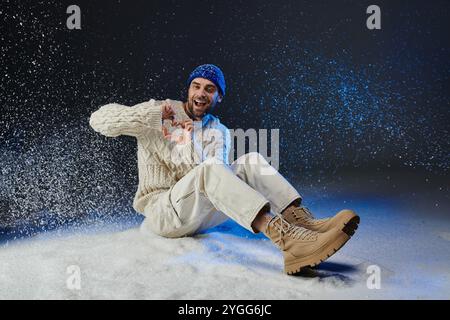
x,y
114,119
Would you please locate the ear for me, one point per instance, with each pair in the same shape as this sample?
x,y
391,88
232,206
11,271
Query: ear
x,y
219,99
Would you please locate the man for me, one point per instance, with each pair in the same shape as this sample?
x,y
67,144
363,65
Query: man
x,y
186,184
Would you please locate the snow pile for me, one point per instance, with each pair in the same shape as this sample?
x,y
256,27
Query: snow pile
x,y
228,262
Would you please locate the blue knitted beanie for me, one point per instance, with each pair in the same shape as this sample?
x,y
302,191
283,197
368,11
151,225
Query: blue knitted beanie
x,y
210,72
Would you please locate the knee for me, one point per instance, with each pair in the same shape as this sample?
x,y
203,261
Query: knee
x,y
251,158
212,164
213,160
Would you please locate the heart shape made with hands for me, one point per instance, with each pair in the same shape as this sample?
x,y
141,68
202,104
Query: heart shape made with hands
x,y
182,137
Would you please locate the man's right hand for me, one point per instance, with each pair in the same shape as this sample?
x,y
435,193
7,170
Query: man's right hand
x,y
167,111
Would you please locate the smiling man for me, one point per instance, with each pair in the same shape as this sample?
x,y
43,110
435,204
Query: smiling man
x,y
186,184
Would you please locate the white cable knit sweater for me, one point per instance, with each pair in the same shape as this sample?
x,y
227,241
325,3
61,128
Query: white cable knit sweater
x,y
157,169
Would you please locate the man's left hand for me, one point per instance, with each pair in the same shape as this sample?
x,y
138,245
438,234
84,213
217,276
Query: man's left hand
x,y
182,135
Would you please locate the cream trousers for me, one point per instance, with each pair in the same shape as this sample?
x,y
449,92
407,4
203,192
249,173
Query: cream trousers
x,y
213,192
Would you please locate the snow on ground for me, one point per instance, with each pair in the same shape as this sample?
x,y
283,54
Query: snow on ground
x,y
408,242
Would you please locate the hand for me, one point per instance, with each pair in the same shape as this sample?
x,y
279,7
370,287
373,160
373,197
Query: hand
x,y
185,124
167,111
166,133
186,134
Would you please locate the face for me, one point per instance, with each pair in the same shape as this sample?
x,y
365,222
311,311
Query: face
x,y
202,97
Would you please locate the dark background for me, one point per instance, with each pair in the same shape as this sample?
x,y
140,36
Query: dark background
x,y
357,109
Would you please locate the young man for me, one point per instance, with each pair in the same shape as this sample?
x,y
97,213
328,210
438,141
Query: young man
x,y
186,184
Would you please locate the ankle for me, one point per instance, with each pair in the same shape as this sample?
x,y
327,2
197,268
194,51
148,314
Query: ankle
x,y
262,220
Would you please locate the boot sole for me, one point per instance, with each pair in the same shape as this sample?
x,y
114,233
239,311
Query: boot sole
x,y
351,225
315,259
349,228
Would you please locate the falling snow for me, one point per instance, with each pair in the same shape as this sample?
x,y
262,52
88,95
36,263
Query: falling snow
x,y
342,97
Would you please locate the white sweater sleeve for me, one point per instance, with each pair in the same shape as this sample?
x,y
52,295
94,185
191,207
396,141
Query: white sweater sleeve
x,y
114,119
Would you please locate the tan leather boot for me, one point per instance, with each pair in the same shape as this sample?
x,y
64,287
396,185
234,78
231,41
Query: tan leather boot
x,y
302,247
345,220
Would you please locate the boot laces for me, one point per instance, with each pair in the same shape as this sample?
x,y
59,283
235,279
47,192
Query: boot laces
x,y
305,216
291,230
